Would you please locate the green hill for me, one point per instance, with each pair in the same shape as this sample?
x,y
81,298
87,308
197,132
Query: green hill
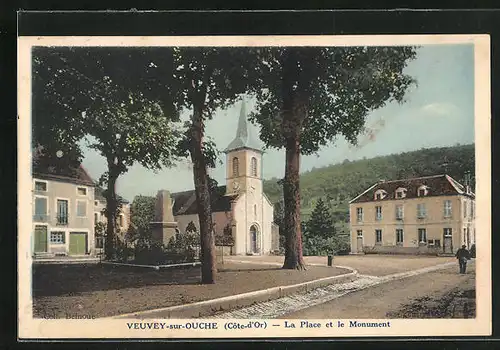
x,y
337,184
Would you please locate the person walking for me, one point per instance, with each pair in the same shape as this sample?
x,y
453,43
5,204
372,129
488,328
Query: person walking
x,y
462,255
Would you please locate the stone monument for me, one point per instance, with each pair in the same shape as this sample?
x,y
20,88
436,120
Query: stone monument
x,y
164,225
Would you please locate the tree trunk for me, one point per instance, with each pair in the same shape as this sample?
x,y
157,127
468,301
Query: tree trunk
x,y
201,185
293,115
291,195
111,216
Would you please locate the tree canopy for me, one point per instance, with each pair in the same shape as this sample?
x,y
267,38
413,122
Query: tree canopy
x,y
334,89
85,93
308,96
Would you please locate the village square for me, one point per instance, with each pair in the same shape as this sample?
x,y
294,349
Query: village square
x,y
362,234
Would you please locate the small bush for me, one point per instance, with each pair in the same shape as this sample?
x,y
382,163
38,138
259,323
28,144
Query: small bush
x,y
224,240
318,246
149,253
183,247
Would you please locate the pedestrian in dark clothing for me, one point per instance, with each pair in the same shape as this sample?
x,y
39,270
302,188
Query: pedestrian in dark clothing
x,y
462,255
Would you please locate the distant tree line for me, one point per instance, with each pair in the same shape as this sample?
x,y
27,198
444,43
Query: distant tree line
x,y
337,184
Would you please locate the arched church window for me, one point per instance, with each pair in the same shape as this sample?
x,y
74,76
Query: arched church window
x,y
254,166
236,166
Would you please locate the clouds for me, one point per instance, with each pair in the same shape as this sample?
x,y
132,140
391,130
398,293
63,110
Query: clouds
x,y
440,109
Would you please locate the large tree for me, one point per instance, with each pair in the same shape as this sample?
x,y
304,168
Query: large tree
x,y
308,96
202,80
128,132
87,94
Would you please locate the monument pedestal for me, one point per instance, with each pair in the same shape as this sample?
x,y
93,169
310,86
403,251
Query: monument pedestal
x,y
163,231
163,227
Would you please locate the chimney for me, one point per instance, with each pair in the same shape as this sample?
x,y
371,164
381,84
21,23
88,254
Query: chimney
x,y
467,183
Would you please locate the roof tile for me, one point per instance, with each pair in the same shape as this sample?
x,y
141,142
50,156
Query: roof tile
x,y
438,185
185,202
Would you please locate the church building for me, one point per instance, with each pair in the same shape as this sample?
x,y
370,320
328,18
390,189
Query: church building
x,y
240,208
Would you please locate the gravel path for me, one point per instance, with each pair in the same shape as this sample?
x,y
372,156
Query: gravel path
x,y
278,307
316,298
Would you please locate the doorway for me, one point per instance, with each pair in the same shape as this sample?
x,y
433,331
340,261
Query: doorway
x,y
447,245
359,241
254,239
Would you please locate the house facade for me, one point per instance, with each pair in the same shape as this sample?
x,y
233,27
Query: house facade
x,y
426,215
240,207
123,219
63,220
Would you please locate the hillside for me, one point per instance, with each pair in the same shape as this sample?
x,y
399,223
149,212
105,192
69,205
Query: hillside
x,y
339,183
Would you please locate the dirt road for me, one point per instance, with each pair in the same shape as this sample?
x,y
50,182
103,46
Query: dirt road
x,y
387,299
374,265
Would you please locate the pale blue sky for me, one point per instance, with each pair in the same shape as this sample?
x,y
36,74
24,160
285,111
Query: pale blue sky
x,y
439,112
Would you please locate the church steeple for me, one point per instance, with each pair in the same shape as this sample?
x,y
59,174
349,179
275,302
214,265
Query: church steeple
x,y
244,137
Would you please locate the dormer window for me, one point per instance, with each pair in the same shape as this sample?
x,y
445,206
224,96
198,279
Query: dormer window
x,y
401,193
380,194
422,191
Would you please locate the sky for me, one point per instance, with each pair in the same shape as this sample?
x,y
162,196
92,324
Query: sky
x,y
438,112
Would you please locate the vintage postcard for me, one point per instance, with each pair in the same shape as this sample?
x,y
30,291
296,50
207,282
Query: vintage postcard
x,y
254,186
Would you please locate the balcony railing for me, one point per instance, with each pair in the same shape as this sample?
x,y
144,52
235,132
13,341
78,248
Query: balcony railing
x,y
40,218
61,219
40,192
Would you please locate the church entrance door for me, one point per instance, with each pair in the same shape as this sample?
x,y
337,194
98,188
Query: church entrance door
x,y
254,239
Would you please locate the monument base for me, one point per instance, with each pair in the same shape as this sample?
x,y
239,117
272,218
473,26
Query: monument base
x,y
163,231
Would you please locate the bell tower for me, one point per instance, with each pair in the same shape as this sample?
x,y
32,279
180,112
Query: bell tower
x,y
243,160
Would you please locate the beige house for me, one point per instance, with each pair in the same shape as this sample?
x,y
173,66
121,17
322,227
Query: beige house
x,y
240,207
63,223
426,215
123,219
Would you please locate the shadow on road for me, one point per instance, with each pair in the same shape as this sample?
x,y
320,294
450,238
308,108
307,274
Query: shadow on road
x,y
74,279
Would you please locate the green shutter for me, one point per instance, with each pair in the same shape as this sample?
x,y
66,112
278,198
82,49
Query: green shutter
x,y
40,239
77,243
40,206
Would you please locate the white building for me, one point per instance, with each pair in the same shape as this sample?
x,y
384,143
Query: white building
x,y
63,223
241,204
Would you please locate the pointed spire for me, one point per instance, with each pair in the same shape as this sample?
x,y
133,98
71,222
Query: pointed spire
x,y
242,123
243,138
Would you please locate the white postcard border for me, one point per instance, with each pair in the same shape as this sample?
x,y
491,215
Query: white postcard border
x,y
30,328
